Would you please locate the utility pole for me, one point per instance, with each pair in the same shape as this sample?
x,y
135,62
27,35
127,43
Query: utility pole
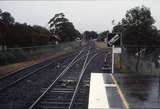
x,y
121,49
112,59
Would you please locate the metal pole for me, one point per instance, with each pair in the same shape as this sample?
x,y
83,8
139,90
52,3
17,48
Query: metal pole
x,y
121,49
112,59
121,39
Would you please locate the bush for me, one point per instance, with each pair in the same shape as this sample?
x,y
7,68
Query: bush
x,y
7,57
3,58
12,56
20,54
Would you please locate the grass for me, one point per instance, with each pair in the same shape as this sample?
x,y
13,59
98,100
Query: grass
x,y
120,65
150,70
101,45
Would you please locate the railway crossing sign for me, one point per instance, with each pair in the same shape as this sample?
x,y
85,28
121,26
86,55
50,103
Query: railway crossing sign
x,y
115,40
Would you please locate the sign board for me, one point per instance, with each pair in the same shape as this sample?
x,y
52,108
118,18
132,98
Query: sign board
x,y
117,50
114,39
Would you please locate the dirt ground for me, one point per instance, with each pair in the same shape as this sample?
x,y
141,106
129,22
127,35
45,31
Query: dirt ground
x,y
11,68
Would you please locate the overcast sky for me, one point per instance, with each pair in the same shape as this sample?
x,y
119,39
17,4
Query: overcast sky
x,y
85,15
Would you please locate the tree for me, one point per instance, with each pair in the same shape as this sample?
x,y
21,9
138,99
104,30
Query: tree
x,y
62,29
138,30
103,35
94,35
20,35
40,35
1,27
6,20
14,34
88,35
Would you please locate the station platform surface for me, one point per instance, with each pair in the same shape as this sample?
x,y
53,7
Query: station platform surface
x,y
122,91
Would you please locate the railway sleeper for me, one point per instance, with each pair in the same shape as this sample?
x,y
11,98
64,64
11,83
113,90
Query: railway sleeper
x,y
50,107
62,100
63,92
55,105
62,97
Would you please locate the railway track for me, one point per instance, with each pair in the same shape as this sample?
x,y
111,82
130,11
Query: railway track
x,y
69,77
62,92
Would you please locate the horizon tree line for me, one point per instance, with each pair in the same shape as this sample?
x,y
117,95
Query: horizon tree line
x,y
15,34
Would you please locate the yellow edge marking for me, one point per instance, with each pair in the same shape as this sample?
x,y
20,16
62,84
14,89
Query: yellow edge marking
x,y
125,103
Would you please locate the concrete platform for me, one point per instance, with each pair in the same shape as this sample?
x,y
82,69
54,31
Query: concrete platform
x,y
103,92
122,91
140,91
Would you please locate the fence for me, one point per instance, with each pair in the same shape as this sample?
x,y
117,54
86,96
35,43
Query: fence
x,y
147,63
12,55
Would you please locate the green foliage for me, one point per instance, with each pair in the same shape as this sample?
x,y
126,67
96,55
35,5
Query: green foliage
x,y
103,35
20,54
10,57
14,34
62,29
88,35
6,18
3,58
25,35
139,34
13,55
137,28
6,57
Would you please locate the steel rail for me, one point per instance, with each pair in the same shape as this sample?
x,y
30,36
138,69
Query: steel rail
x,y
22,69
79,80
50,86
31,73
22,78
15,72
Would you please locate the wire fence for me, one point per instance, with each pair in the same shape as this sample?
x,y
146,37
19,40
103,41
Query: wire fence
x,y
144,61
